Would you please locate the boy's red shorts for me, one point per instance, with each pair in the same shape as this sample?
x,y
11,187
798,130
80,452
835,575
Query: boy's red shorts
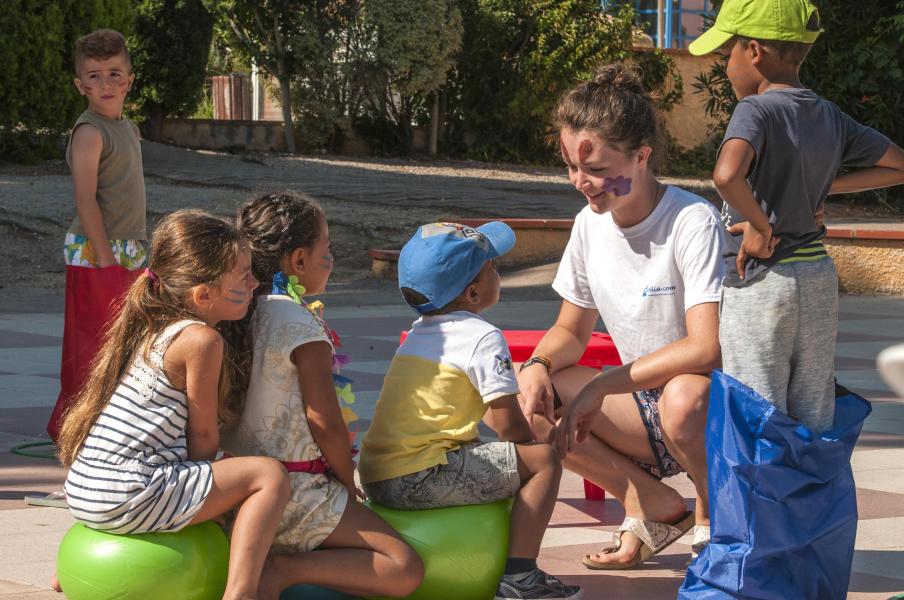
x,y
92,300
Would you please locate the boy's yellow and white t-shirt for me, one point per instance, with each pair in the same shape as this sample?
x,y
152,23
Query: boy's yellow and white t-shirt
x,y
435,393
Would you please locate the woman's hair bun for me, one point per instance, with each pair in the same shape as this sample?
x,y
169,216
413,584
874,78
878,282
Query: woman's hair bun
x,y
620,77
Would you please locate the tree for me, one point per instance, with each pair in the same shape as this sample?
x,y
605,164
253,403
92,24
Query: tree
x,y
170,45
520,56
267,32
38,101
414,47
323,97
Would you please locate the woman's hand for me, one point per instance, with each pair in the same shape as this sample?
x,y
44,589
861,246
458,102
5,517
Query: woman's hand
x,y
536,392
577,418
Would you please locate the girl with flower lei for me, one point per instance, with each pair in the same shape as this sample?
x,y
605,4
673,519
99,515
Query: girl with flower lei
x,y
289,401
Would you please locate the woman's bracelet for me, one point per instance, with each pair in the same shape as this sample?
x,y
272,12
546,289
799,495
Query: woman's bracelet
x,y
535,360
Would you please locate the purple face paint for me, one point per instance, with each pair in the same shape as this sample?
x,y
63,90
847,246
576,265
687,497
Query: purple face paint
x,y
585,150
620,186
327,262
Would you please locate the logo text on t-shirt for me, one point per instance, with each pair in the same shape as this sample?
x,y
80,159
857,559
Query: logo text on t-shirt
x,y
658,290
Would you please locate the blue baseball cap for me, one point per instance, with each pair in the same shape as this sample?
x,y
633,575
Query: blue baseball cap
x,y
441,259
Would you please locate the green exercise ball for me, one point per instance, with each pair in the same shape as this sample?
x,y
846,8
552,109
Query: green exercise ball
x,y
312,592
189,564
463,547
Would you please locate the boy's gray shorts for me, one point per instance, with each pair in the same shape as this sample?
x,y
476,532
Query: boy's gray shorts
x,y
475,474
778,337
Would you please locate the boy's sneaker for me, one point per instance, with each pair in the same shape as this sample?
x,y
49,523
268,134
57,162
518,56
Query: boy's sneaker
x,y
701,540
536,584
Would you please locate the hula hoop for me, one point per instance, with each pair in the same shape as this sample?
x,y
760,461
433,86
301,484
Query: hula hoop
x,y
21,450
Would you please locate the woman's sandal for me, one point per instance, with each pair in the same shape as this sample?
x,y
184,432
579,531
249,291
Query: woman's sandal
x,y
655,537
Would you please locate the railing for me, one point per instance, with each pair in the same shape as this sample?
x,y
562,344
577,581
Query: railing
x,y
682,20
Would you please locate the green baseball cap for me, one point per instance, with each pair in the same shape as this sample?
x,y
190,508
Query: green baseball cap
x,y
784,20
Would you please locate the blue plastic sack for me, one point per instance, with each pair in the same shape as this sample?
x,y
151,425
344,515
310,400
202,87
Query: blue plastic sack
x,y
782,500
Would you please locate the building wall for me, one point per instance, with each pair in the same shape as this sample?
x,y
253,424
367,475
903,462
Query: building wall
x,y
687,122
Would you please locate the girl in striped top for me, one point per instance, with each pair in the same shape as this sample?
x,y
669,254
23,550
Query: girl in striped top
x,y
141,439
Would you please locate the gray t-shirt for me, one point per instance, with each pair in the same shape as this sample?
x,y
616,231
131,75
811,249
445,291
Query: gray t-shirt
x,y
800,140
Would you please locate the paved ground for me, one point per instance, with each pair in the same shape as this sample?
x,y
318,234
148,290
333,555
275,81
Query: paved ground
x,y
369,317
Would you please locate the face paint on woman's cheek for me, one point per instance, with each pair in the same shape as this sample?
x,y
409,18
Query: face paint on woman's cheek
x,y
619,186
585,150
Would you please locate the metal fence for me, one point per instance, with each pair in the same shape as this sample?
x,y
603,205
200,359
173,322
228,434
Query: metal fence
x,y
682,20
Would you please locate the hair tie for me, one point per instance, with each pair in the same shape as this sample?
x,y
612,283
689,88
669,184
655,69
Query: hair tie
x,y
150,275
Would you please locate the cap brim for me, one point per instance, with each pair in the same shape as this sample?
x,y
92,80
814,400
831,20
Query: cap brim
x,y
500,236
709,42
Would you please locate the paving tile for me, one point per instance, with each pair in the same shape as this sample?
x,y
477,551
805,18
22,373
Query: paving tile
x,y
875,439
30,360
49,324
848,336
887,417
35,534
875,504
891,329
862,379
18,391
845,363
23,476
17,339
867,350
29,420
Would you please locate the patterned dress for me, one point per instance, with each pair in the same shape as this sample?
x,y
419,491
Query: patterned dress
x,y
274,424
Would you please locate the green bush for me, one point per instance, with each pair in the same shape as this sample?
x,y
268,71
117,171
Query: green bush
x,y
519,56
169,45
38,101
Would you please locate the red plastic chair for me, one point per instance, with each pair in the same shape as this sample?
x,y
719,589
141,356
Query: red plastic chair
x,y
600,352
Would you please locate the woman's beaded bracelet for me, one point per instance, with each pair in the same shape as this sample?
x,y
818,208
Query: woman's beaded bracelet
x,y
538,359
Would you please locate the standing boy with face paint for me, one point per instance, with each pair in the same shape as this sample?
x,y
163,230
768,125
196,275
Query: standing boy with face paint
x,y
780,159
104,245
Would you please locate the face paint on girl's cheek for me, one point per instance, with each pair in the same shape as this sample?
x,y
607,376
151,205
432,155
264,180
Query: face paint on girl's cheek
x,y
585,150
620,186
236,296
326,261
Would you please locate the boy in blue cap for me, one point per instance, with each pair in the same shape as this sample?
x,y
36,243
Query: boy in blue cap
x,y
423,448
779,160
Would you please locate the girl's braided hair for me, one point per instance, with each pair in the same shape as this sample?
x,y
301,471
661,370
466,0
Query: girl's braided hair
x,y
274,224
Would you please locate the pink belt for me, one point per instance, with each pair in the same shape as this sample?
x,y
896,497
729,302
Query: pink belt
x,y
316,466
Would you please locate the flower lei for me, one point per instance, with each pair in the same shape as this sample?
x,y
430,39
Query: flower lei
x,y
289,286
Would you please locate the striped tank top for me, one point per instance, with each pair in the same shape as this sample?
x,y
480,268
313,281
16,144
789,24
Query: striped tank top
x,y
132,475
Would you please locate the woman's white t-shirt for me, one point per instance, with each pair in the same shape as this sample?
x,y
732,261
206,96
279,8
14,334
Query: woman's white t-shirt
x,y
643,278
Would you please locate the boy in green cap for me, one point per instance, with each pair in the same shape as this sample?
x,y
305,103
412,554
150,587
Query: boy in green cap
x,y
779,160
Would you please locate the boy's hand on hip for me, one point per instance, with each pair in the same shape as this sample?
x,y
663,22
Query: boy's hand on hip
x,y
755,243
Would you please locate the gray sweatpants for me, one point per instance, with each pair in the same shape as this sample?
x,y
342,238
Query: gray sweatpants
x,y
778,337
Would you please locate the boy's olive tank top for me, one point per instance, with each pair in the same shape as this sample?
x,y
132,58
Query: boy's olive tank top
x,y
120,178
